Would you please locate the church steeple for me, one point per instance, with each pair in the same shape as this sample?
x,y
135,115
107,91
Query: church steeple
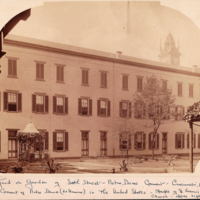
x,y
170,53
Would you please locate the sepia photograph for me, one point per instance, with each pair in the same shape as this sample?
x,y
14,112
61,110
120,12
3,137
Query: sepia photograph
x,y
100,87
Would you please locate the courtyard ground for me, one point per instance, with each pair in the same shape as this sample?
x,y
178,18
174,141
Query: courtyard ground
x,y
161,164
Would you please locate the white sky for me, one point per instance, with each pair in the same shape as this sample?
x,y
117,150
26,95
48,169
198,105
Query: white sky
x,y
102,25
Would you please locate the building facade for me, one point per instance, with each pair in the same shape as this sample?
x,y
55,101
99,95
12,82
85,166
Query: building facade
x,y
76,96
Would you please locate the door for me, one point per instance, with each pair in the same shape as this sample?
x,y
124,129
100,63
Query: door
x,y
164,143
12,148
12,144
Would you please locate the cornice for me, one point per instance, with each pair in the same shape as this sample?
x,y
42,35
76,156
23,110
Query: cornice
x,y
97,57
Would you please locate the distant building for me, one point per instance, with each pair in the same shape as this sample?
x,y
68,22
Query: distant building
x,y
75,96
170,53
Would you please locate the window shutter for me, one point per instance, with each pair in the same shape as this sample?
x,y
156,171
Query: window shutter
x,y
90,106
135,141
108,108
144,141
62,73
199,141
98,107
33,103
37,71
130,110
46,104
9,67
54,141
102,79
57,73
14,67
19,102
0,100
120,109
66,105
150,143
120,141
79,106
42,71
188,141
105,79
83,76
0,141
183,142
5,100
66,141
194,140
157,141
86,76
176,141
123,82
54,104
129,142
183,111
46,141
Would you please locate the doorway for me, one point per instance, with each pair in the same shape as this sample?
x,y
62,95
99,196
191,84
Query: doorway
x,y
12,144
164,143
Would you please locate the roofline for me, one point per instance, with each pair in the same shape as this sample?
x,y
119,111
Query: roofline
x,y
123,59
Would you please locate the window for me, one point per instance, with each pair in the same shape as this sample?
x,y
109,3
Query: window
x,y
139,110
39,71
104,79
85,106
85,77
85,143
60,105
124,141
179,112
191,90
12,68
12,101
180,89
164,85
194,141
139,84
40,103
179,140
103,107
103,143
125,109
60,141
153,144
60,73
140,140
124,82
12,144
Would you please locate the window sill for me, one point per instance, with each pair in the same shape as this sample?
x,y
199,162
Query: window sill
x,y
125,89
139,90
180,95
40,113
37,79
85,115
105,87
103,116
61,114
62,82
85,85
10,76
191,97
12,111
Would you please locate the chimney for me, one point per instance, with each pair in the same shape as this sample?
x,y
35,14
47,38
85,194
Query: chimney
x,y
119,53
195,68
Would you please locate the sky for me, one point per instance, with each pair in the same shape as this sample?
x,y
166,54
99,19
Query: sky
x,y
110,26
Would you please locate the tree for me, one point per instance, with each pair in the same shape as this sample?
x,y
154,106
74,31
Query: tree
x,y
153,102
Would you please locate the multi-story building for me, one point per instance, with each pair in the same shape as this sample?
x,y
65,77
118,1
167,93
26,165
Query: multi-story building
x,y
76,96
